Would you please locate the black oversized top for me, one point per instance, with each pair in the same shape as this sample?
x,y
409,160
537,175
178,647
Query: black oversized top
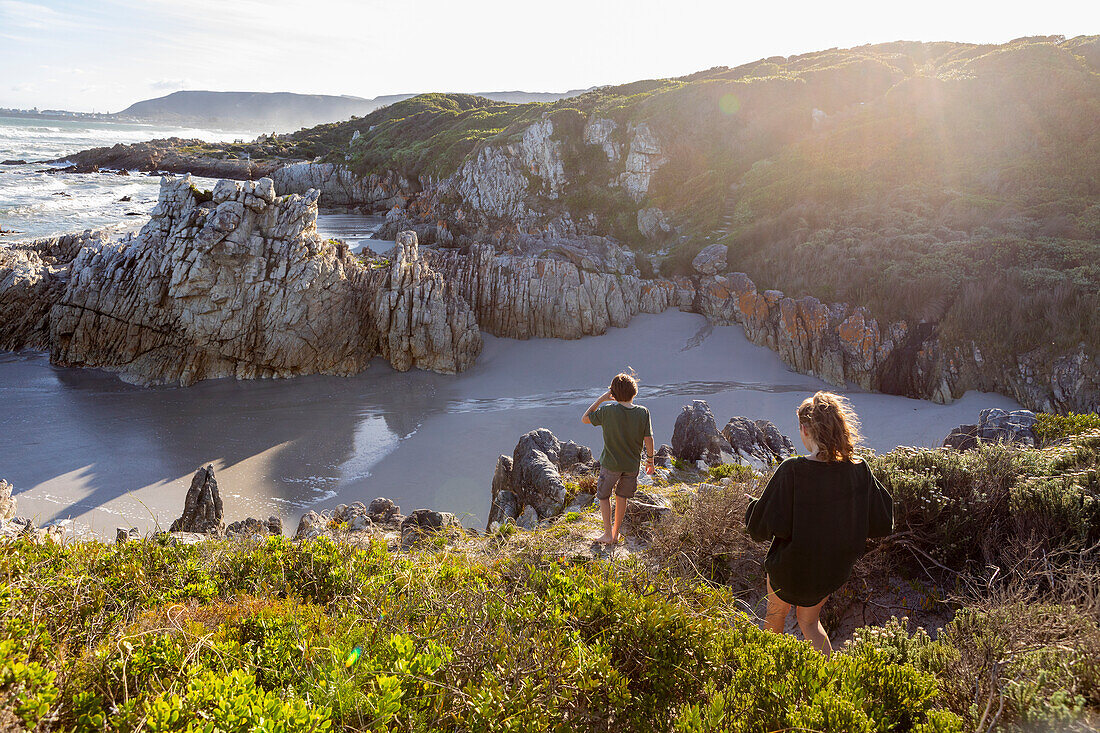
x,y
818,516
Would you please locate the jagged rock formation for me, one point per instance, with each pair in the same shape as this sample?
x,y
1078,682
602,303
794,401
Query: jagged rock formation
x,y
695,435
757,443
237,284
531,479
995,426
841,343
202,507
382,513
559,292
32,278
339,187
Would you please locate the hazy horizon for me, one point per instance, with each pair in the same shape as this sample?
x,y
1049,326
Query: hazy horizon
x,y
64,54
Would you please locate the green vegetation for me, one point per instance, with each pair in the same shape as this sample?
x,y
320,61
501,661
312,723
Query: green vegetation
x,y
946,182
730,470
1052,429
264,637
502,633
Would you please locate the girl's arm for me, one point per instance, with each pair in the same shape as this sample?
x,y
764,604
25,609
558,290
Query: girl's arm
x,y
880,507
771,514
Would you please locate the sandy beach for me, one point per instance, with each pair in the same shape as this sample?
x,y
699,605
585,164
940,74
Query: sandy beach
x,y
82,447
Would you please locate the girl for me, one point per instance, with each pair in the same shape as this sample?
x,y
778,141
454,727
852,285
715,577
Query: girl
x,y
818,511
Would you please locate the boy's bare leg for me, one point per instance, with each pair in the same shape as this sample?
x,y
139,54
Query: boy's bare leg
x,y
776,616
620,512
809,620
607,538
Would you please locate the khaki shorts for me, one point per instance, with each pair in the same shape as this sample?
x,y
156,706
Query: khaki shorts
x,y
624,484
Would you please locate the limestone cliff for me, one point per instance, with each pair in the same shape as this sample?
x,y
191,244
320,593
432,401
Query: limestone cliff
x,y
239,284
845,344
557,293
32,278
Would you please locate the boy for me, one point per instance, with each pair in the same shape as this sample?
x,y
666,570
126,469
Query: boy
x,y
626,428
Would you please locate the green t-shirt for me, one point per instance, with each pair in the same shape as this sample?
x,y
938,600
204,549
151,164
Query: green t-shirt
x,y
623,430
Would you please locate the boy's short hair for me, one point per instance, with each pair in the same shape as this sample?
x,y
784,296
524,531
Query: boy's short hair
x,y
624,387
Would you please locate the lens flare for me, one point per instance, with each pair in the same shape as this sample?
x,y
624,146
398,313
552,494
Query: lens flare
x,y
353,657
729,104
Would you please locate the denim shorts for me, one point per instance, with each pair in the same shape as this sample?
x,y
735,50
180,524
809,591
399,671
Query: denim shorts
x,y
624,484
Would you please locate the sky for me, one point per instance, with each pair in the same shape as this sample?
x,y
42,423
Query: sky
x,y
103,55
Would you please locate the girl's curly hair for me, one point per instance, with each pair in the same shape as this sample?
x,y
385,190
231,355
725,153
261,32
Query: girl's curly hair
x,y
832,424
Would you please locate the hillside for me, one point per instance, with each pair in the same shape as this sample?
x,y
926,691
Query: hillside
x,y
979,613
952,184
279,111
947,189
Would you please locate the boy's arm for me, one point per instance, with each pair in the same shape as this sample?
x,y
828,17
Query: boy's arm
x,y
648,441
599,401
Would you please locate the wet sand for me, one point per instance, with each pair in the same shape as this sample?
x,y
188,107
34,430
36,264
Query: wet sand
x,y
83,448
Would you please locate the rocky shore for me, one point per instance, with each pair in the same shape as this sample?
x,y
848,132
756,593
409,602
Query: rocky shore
x,y
168,155
527,267
230,283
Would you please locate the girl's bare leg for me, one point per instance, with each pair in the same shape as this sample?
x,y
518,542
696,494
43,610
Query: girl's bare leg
x,y
778,609
809,620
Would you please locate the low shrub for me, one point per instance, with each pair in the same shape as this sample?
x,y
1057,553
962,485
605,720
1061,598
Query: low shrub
x,y
304,637
730,470
1052,429
707,538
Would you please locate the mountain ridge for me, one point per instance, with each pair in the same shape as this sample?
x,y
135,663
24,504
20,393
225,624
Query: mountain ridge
x,y
284,111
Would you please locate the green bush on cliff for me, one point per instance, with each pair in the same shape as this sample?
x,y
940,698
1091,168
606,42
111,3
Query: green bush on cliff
x,y
981,508
1052,429
235,635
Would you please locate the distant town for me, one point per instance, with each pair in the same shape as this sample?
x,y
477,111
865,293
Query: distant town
x,y
63,114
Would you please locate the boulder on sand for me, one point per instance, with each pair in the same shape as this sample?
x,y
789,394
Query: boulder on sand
x,y
695,436
532,477
202,507
995,426
757,443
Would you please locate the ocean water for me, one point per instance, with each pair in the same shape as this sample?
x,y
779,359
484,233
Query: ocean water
x,y
86,450
35,203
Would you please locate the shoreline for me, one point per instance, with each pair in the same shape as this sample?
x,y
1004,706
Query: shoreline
x,y
423,439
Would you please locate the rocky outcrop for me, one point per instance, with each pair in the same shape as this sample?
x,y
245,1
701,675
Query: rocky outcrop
x,y
531,479
339,187
645,156
252,527
757,443
995,426
841,343
561,292
380,514
202,507
33,277
169,155
237,283
695,436
711,260
425,522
